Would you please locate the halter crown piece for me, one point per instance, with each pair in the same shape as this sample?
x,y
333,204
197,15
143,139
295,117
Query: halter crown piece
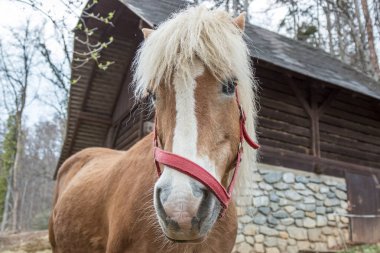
x,y
195,171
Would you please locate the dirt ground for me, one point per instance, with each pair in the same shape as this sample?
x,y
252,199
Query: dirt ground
x,y
27,242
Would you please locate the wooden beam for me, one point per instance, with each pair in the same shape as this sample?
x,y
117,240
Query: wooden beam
x,y
95,117
274,156
326,103
314,115
300,97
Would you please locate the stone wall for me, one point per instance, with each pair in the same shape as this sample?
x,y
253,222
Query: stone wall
x,y
289,210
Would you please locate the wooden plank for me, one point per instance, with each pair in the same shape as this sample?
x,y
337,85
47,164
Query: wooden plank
x,y
283,145
284,117
95,117
363,201
362,111
348,159
133,137
281,106
350,134
284,137
301,98
352,117
344,123
267,83
328,166
349,142
278,96
286,127
126,135
350,152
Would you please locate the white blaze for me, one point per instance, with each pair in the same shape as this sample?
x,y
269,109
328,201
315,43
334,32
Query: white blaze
x,y
186,129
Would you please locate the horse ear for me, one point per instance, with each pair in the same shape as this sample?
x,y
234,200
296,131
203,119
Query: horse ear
x,y
146,32
240,21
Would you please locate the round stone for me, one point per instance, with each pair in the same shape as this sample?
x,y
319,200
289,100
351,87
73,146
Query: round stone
x,y
287,221
288,177
272,250
249,229
341,195
281,214
270,241
250,240
259,238
302,179
244,247
332,202
298,214
259,248
324,189
309,223
281,186
264,210
315,235
272,177
272,220
265,186
314,187
283,235
321,221
260,201
320,210
293,195
299,186
274,197
259,219
309,200
239,238
289,209
297,233
268,231
245,219
274,206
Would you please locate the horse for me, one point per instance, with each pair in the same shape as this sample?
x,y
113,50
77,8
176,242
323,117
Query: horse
x,y
171,191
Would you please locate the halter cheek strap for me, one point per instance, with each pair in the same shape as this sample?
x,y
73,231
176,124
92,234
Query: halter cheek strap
x,y
195,171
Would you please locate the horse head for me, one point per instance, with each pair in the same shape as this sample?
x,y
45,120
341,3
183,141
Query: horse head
x,y
192,66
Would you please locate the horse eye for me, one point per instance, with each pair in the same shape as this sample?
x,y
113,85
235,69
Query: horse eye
x,y
229,87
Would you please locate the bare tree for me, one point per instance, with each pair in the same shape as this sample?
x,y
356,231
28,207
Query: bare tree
x,y
371,40
16,70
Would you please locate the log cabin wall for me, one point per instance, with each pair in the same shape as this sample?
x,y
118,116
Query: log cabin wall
x,y
313,126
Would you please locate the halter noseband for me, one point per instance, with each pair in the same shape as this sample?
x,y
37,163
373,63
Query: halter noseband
x,y
195,171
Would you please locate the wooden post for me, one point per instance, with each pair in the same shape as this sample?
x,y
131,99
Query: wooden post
x,y
314,111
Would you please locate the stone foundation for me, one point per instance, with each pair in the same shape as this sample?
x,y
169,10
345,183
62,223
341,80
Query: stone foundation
x,y
289,210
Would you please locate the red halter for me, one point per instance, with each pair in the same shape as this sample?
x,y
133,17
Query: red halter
x,y
195,171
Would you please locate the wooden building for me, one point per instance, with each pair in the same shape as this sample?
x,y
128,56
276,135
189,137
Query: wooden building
x,y
317,114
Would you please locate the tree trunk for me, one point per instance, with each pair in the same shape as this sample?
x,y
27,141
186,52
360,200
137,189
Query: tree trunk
x,y
342,52
360,24
16,169
7,202
345,9
327,11
371,40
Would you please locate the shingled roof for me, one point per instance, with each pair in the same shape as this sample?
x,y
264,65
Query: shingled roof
x,y
274,48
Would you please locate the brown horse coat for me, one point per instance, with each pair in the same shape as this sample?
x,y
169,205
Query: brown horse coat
x,y
103,203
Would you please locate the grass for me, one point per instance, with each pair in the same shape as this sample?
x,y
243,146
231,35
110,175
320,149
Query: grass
x,y
363,249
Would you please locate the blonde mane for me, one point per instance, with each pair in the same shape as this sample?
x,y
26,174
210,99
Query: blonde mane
x,y
212,37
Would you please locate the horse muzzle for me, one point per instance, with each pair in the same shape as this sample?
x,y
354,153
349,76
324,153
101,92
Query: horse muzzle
x,y
186,214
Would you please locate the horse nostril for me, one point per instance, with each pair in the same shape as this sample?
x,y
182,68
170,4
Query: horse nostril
x,y
206,194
